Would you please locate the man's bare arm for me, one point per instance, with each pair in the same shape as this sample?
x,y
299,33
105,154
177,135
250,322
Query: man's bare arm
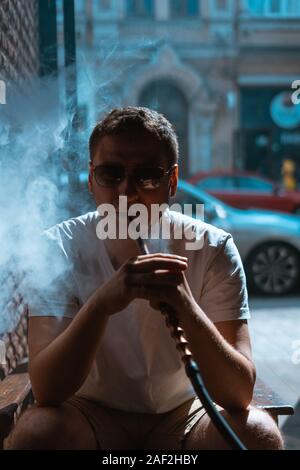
x,y
61,351
60,360
223,353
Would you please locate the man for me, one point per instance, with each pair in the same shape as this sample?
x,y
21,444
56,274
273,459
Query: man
x,y
104,370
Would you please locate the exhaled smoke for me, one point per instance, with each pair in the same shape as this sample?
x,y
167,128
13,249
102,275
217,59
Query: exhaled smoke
x,y
40,153
31,136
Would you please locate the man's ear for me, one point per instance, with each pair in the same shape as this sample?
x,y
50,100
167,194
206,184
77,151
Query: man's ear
x,y
90,178
173,181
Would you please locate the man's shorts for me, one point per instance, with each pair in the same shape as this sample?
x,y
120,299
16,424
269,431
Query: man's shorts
x,y
115,429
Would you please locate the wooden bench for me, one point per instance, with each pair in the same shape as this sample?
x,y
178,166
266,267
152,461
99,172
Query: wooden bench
x,y
16,394
15,387
270,401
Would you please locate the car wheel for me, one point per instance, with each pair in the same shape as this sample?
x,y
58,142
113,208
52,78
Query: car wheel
x,y
273,268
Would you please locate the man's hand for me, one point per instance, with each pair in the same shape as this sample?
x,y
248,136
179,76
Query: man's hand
x,y
158,278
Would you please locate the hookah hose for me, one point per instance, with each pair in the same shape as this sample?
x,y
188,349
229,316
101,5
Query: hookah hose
x,y
193,372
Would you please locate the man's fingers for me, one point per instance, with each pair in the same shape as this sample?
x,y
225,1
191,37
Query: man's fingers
x,y
150,256
156,295
157,278
149,263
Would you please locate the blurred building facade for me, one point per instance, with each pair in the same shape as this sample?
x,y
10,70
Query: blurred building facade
x,y
218,69
19,54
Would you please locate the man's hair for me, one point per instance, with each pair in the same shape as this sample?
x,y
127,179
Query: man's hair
x,y
134,119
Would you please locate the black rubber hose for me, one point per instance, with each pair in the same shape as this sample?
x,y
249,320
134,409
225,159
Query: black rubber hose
x,y
193,372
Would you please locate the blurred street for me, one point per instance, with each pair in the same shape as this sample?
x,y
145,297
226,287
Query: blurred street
x,y
274,327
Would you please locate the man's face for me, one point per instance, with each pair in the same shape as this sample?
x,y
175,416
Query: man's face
x,y
131,151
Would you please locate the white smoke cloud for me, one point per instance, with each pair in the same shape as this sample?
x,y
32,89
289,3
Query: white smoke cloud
x,y
39,149
31,135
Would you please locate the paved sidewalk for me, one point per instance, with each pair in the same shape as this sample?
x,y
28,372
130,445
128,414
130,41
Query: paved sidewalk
x,y
275,329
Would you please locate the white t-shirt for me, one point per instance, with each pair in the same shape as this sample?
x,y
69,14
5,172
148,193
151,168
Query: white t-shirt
x,y
137,367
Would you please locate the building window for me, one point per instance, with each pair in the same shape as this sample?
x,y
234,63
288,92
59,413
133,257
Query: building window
x,y
273,8
105,5
184,8
167,98
140,8
221,7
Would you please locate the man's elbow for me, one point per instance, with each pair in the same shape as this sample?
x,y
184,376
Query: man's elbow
x,y
242,402
43,394
236,404
46,398
240,398
244,396
48,402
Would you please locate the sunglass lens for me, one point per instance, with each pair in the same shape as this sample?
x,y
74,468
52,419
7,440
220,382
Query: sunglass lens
x,y
109,175
149,178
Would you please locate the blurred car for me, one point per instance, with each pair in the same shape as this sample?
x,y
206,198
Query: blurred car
x,y
245,190
268,242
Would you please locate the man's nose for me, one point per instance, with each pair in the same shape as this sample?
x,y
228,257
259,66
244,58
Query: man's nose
x,y
128,188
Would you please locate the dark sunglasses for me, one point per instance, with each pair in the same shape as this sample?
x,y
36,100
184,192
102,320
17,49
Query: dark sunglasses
x,y
110,176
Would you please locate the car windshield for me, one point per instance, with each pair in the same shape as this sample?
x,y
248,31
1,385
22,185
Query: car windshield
x,y
199,194
222,183
248,183
189,194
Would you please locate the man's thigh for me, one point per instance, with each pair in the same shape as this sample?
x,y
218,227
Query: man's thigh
x,y
52,427
254,427
117,429
113,429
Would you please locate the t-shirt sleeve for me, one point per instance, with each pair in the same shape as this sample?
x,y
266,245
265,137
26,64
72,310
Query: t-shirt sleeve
x,y
224,294
50,284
